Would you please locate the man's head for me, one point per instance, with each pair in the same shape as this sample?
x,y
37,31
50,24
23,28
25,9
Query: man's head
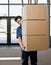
x,y
18,19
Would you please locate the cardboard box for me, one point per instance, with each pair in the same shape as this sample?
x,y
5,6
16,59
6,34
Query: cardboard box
x,y
35,27
35,12
35,33
33,43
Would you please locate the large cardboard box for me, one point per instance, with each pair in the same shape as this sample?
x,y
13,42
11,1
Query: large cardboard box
x,y
35,27
35,12
35,33
33,43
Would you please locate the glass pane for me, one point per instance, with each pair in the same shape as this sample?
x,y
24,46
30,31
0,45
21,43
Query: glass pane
x,y
50,26
42,1
15,1
25,1
35,1
15,10
50,10
3,1
39,1
3,10
14,26
3,31
32,1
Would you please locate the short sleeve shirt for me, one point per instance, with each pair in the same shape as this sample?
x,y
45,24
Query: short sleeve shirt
x,y
19,32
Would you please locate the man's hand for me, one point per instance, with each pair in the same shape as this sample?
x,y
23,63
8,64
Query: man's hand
x,y
23,48
21,44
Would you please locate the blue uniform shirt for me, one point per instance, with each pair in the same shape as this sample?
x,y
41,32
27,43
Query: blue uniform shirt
x,y
19,32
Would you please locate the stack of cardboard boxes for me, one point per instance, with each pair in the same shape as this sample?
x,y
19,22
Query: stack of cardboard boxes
x,y
35,27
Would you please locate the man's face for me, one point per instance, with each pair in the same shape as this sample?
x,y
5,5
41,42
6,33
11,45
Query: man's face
x,y
19,21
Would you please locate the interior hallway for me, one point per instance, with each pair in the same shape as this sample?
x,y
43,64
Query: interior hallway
x,y
44,57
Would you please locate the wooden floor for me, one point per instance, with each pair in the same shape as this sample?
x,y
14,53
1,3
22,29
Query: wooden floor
x,y
44,57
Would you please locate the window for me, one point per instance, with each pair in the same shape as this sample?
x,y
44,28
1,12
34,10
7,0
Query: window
x,y
25,1
3,31
15,10
50,1
9,9
34,1
40,1
3,10
3,1
14,26
15,1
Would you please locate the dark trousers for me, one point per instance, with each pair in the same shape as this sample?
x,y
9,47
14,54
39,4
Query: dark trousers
x,y
33,57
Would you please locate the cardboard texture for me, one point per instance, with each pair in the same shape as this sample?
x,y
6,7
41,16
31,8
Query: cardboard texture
x,y
33,43
34,27
35,34
34,12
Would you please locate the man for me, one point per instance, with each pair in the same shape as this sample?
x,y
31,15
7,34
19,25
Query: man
x,y
25,54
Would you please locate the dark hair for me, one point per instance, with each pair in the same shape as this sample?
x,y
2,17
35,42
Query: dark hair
x,y
18,18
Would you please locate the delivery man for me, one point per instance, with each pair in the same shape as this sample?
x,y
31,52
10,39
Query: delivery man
x,y
25,54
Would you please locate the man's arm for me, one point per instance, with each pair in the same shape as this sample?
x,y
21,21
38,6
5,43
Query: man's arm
x,y
21,44
19,37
